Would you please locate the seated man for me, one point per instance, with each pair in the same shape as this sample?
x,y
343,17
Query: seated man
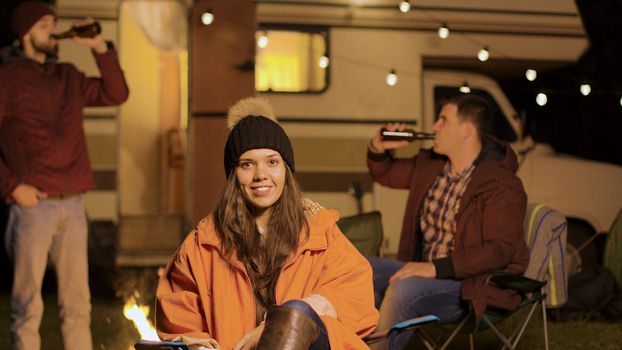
x,y
463,219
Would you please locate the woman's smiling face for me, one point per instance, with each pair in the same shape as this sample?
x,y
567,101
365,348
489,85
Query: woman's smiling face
x,y
261,176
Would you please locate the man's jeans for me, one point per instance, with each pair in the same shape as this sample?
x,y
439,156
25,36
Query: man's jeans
x,y
413,297
58,228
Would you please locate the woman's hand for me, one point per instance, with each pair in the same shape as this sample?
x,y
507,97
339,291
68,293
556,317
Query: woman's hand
x,y
249,340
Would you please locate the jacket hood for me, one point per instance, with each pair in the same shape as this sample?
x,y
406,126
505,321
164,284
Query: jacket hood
x,y
14,53
497,150
494,151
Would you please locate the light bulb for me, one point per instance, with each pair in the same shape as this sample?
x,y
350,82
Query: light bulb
x,y
443,31
391,78
531,74
483,54
620,101
541,99
262,41
207,17
405,6
465,88
324,61
585,89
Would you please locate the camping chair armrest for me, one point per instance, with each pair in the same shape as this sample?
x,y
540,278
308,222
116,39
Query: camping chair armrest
x,y
401,327
518,283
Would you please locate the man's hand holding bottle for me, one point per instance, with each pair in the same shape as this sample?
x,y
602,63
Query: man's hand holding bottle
x,y
378,144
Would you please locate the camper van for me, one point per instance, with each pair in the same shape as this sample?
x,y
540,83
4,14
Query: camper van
x,y
154,156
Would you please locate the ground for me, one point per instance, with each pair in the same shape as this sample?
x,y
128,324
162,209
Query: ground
x,y
112,331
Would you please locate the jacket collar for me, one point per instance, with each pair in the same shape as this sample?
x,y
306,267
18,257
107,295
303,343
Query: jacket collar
x,y
14,53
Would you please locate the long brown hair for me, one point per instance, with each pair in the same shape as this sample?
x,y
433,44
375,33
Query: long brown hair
x,y
265,256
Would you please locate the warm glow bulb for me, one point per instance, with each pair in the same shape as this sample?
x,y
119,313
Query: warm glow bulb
x,y
483,54
465,88
262,41
541,99
443,31
405,6
324,61
585,89
391,78
531,74
207,17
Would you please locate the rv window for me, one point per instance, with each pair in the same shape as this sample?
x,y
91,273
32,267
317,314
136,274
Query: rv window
x,y
292,60
501,126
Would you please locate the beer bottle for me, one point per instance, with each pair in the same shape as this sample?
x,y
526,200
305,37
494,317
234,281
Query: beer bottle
x,y
404,135
86,31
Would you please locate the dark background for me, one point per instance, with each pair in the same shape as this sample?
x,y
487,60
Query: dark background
x,y
586,126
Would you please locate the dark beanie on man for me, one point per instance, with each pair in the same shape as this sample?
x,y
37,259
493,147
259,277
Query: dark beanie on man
x,y
27,14
253,125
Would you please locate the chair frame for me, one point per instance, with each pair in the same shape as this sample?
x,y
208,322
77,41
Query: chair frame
x,y
535,298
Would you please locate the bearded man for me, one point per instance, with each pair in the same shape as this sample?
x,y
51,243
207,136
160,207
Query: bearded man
x,y
45,170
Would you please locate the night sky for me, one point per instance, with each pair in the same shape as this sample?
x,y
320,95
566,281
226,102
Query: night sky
x,y
586,126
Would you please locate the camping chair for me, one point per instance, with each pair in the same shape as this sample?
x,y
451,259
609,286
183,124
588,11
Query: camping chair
x,y
364,231
544,282
532,297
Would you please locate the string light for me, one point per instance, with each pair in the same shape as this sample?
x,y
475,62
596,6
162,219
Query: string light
x,y
391,78
465,88
207,17
263,40
531,74
483,54
443,31
324,61
404,6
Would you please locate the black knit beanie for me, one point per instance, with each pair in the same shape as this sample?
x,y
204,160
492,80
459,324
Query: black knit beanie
x,y
254,126
27,14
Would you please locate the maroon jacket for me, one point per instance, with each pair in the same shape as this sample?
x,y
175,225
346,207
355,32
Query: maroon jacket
x,y
42,142
489,231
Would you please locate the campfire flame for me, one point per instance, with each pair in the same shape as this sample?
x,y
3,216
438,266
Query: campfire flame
x,y
138,315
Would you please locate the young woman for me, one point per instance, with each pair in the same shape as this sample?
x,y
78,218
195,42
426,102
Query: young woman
x,y
267,269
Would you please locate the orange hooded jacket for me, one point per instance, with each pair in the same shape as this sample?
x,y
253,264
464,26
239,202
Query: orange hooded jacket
x,y
199,296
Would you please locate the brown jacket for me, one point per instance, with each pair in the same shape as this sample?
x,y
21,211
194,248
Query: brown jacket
x,y
489,231
42,142
199,295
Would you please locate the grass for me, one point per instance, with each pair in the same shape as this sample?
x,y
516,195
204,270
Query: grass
x,y
112,331
562,335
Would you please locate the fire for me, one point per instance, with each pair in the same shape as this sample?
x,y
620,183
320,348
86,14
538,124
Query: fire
x,y
138,315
